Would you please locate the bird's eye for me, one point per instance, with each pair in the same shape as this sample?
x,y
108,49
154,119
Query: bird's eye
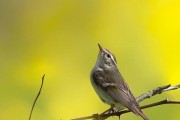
x,y
108,55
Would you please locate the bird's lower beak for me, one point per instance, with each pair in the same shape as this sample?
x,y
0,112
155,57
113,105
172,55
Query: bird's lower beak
x,y
100,48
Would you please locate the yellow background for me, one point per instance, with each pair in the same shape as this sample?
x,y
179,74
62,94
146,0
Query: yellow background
x,y
59,38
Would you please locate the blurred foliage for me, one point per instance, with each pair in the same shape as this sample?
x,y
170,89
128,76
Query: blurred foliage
x,y
59,38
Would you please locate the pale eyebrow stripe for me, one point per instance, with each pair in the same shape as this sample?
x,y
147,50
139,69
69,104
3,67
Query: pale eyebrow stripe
x,y
113,59
106,52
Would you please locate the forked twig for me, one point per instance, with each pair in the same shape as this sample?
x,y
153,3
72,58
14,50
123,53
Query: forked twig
x,y
166,101
142,97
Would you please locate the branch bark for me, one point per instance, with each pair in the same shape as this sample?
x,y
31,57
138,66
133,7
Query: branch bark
x,y
142,97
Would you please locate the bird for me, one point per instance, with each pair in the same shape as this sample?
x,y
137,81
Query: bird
x,y
110,86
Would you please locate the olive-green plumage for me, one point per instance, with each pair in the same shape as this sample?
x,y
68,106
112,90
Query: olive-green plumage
x,y
110,85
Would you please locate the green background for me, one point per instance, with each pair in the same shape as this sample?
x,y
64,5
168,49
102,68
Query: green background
x,y
59,38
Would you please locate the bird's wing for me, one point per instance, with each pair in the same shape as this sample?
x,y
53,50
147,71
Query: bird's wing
x,y
116,88
122,94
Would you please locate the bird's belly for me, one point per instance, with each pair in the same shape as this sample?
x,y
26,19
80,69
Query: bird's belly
x,y
103,95
106,98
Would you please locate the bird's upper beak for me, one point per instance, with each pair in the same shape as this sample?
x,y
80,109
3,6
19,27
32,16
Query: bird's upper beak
x,y
100,48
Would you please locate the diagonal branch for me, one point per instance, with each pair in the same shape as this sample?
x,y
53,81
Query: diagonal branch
x,y
156,91
166,101
142,97
36,97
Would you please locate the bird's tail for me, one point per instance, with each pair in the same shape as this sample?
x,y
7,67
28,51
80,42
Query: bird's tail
x,y
143,115
138,111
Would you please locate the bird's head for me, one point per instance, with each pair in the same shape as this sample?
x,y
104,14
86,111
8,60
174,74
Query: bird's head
x,y
105,57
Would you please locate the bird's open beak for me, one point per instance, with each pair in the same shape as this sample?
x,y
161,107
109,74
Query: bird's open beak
x,y
100,48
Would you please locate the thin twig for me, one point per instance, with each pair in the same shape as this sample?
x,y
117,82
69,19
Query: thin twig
x,y
37,97
85,118
172,88
142,97
166,101
105,116
153,92
156,91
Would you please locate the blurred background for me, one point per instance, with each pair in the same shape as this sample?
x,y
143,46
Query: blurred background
x,y
59,38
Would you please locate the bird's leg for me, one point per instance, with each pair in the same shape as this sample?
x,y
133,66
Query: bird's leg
x,y
111,109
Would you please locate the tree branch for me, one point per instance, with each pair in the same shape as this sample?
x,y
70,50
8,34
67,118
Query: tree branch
x,y
166,101
36,97
151,93
142,97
